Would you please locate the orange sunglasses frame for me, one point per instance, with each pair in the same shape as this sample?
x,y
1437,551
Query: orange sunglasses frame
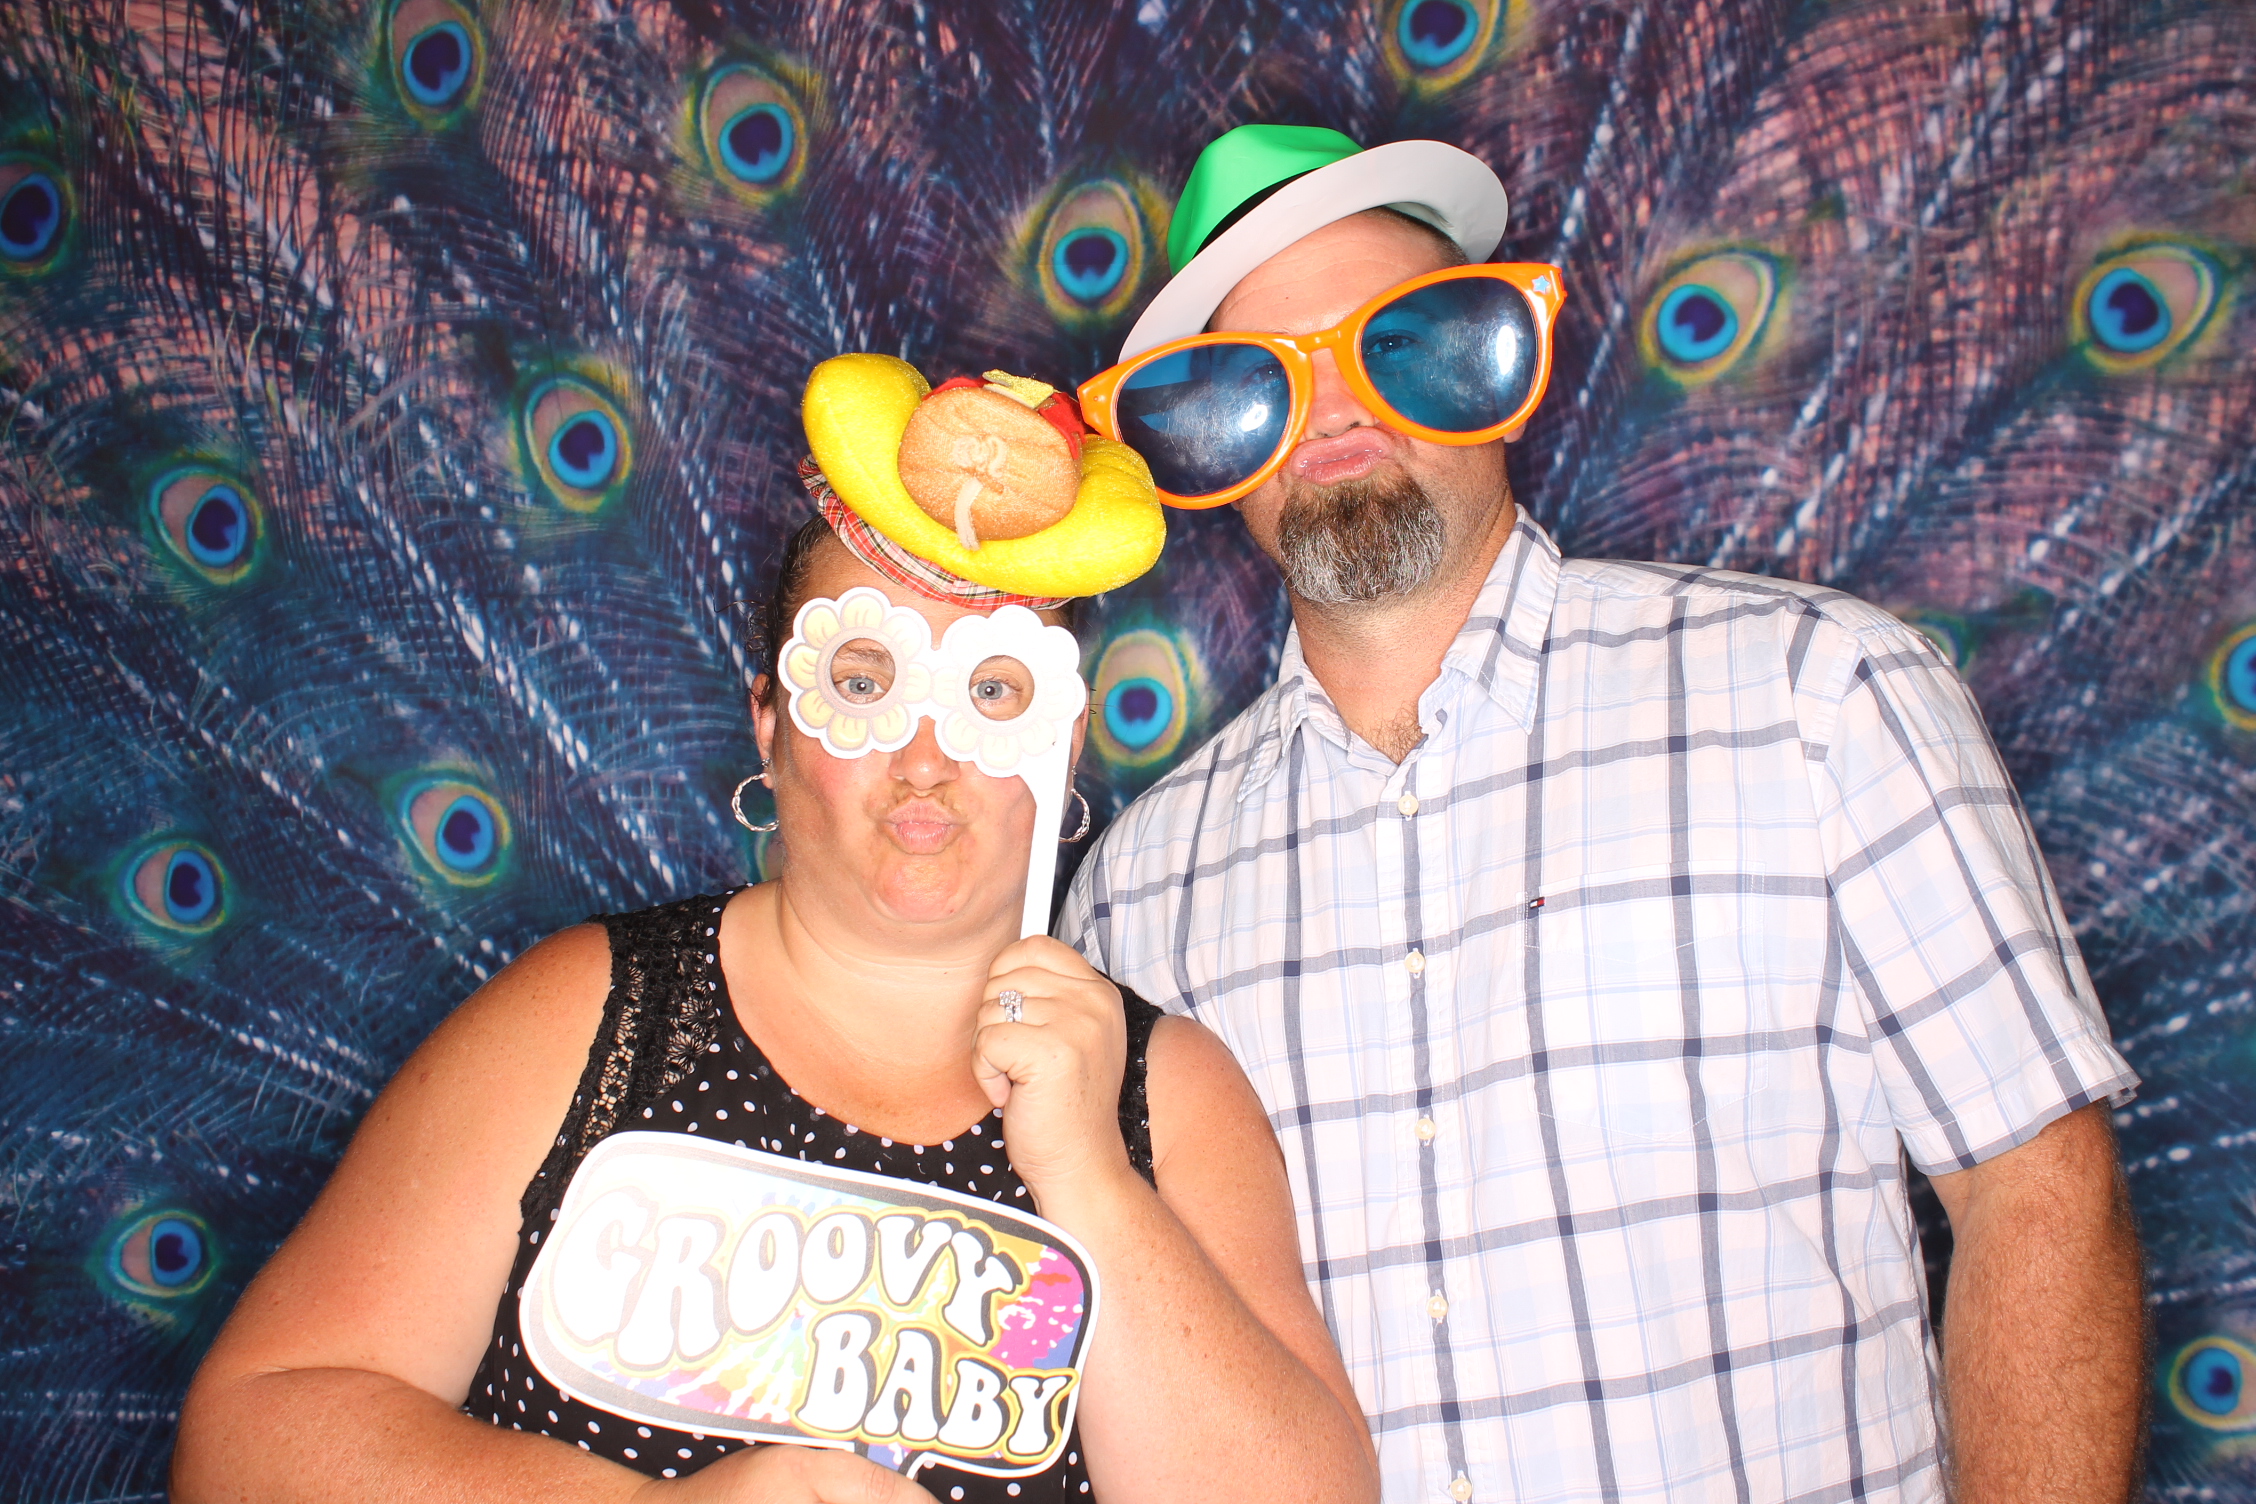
x,y
1541,284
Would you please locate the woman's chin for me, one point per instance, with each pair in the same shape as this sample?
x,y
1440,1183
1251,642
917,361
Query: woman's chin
x,y
925,891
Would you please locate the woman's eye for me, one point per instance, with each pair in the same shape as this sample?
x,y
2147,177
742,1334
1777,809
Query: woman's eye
x,y
990,689
861,686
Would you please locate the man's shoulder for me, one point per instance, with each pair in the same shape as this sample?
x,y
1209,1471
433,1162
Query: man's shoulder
x,y
1609,596
1203,789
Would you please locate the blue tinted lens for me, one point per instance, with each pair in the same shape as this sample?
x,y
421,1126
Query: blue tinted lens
x,y
1206,418
1456,356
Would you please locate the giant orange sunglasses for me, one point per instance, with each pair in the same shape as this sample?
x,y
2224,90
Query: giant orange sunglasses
x,y
1458,356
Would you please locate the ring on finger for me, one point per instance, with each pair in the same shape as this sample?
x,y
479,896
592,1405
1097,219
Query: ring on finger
x,y
1014,1005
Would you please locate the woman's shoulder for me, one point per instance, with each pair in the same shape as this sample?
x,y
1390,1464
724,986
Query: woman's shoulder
x,y
1201,1102
530,1025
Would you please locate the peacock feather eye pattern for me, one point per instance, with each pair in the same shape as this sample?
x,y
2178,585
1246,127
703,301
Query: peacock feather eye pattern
x,y
161,1256
210,521
1142,691
2232,677
178,887
752,128
2136,308
1953,636
438,54
35,213
459,830
576,442
1093,249
2209,1384
1708,316
1434,45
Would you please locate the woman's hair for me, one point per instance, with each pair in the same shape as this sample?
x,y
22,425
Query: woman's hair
x,y
789,592
773,617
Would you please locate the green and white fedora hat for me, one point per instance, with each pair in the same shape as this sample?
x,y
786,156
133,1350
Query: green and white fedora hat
x,y
1259,188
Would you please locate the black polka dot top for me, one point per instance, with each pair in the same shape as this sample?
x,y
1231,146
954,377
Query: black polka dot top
x,y
670,1055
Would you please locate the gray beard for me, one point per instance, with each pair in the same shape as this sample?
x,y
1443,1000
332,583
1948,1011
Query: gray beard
x,y
1358,541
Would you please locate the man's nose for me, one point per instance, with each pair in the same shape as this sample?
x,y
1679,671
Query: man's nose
x,y
921,764
1332,407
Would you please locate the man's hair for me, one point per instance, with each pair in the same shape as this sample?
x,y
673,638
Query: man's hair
x,y
1452,254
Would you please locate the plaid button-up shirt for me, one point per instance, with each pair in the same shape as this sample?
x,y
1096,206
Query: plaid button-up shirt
x,y
1596,1032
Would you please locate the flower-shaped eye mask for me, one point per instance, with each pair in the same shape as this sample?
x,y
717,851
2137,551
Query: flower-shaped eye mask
x,y
1003,690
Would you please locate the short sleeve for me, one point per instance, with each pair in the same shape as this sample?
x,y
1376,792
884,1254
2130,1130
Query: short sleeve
x,y
1076,922
1984,1023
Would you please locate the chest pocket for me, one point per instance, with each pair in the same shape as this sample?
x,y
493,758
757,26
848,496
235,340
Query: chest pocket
x,y
1656,1004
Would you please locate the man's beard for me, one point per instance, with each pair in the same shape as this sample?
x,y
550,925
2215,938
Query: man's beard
x,y
1358,541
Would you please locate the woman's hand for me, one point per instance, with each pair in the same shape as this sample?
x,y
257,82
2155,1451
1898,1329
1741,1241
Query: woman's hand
x,y
785,1474
1056,1072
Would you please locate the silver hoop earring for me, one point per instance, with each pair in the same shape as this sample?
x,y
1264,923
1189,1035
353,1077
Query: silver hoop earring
x,y
1083,828
736,806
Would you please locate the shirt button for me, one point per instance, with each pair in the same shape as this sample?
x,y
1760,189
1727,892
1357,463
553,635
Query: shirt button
x,y
1415,961
1408,804
1438,1306
1426,1130
1461,1489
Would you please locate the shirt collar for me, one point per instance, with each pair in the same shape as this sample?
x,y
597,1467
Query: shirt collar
x,y
1498,650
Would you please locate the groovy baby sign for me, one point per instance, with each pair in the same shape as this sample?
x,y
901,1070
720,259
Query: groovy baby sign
x,y
735,1293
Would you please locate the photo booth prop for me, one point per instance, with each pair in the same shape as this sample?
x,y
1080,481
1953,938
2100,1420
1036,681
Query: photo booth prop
x,y
710,1288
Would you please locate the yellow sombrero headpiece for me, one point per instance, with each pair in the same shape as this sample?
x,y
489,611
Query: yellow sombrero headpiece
x,y
1083,509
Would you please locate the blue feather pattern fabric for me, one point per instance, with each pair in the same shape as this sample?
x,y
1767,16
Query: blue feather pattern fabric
x,y
400,413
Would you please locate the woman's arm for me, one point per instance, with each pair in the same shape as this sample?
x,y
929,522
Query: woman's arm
x,y
339,1375
1210,1371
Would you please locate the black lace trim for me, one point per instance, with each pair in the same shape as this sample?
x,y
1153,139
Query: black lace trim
x,y
1135,1109
658,1018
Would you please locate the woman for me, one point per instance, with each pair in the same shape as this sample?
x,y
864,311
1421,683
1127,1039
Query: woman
x,y
869,977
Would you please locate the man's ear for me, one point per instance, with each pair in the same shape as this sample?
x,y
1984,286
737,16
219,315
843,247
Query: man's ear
x,y
1512,435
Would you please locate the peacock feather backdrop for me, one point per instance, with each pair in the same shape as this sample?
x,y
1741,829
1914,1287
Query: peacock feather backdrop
x,y
399,415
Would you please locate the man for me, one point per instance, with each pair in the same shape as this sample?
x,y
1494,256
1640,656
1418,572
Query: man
x,y
1601,937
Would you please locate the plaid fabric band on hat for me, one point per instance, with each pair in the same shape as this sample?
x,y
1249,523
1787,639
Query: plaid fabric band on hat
x,y
900,566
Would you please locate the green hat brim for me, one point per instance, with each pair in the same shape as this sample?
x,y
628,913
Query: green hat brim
x,y
1454,191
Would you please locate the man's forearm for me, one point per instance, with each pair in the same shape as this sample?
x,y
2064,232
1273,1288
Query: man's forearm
x,y
2044,1337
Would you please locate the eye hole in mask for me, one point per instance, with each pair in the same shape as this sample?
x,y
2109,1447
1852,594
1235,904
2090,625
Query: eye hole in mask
x,y
857,668
861,671
1002,689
